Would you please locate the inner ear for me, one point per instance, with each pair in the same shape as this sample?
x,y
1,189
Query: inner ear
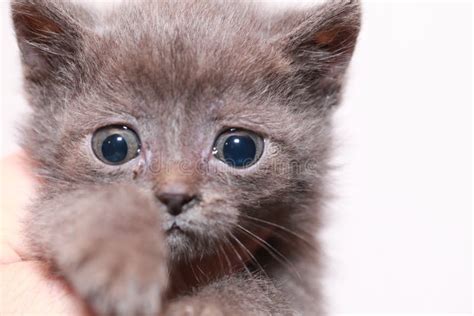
x,y
31,24
334,38
322,37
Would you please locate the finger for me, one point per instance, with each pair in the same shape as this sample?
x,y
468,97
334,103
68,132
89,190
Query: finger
x,y
16,189
27,289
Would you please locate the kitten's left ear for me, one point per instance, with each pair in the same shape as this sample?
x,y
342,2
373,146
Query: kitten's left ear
x,y
321,40
49,34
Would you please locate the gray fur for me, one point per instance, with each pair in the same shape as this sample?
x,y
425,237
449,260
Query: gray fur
x,y
178,73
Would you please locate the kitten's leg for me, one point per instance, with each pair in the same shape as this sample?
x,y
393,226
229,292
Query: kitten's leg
x,y
107,243
233,295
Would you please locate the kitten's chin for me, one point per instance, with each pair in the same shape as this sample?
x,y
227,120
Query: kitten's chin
x,y
186,245
179,243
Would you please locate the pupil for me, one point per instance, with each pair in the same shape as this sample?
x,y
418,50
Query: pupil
x,y
114,148
239,151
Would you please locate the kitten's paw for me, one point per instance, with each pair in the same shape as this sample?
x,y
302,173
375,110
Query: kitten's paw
x,y
194,307
117,283
116,258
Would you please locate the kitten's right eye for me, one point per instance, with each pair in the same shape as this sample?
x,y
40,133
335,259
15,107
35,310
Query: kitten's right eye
x,y
238,148
115,145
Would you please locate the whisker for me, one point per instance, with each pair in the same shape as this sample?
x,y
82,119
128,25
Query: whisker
x,y
272,251
231,268
250,254
240,258
202,272
219,257
194,272
279,235
285,229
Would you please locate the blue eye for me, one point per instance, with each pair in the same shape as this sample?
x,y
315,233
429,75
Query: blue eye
x,y
238,148
115,145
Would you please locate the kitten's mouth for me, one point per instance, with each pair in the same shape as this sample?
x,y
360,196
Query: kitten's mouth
x,y
175,228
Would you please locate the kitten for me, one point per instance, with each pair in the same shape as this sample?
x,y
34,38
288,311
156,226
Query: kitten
x,y
183,150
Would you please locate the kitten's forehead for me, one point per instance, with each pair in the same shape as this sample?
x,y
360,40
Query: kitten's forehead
x,y
191,36
156,53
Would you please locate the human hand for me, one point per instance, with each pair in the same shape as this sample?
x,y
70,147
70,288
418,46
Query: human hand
x,y
26,287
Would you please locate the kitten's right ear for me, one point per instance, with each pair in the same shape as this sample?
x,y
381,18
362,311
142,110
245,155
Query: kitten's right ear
x,y
49,35
320,40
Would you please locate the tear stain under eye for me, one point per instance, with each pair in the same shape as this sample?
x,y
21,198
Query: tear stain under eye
x,y
145,156
139,169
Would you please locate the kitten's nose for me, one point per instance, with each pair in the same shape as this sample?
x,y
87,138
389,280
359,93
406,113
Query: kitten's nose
x,y
175,201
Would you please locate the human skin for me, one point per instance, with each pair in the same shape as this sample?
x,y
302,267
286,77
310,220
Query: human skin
x,y
26,286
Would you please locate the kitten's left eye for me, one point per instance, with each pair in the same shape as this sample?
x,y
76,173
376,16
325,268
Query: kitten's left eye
x,y
115,145
238,148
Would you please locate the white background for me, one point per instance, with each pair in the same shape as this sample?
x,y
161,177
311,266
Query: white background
x,y
399,234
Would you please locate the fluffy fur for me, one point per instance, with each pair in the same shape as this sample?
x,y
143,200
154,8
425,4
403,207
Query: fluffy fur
x,y
179,73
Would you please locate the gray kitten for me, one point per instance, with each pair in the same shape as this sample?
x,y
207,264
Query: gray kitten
x,y
183,150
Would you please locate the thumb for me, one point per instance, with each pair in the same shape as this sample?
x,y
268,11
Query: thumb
x,y
26,287
16,189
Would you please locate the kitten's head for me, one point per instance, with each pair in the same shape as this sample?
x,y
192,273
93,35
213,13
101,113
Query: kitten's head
x,y
221,110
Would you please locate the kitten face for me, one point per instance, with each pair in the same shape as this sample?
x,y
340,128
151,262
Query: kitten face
x,y
179,83
178,134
